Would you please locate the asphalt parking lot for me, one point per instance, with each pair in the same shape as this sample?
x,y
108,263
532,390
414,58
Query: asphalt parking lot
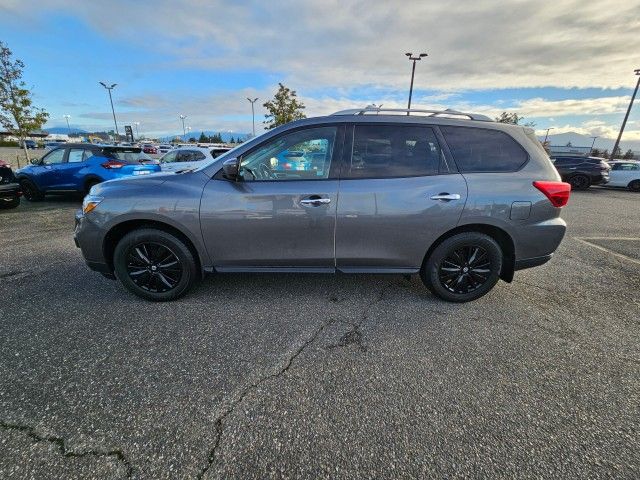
x,y
310,376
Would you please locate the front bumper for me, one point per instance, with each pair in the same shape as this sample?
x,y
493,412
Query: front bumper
x,y
88,238
9,191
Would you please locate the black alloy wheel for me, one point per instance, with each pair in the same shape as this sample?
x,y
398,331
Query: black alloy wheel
x,y
154,264
579,182
153,267
465,269
30,191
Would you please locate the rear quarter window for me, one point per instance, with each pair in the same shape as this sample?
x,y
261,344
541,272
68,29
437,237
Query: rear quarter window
x,y
483,150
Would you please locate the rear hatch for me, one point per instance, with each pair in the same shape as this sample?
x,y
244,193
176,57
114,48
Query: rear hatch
x,y
130,160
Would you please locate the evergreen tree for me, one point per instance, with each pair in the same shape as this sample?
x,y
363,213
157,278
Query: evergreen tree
x,y
284,108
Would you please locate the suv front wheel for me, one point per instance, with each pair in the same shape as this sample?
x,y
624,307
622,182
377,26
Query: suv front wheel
x,y
463,267
154,264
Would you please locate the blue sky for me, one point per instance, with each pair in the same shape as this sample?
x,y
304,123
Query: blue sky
x,y
562,64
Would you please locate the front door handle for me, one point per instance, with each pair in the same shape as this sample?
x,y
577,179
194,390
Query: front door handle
x,y
446,196
314,201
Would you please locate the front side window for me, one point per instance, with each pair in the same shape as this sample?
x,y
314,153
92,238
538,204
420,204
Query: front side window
x,y
484,150
54,157
190,156
385,151
299,155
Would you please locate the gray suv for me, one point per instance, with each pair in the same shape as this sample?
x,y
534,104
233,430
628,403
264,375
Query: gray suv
x,y
455,197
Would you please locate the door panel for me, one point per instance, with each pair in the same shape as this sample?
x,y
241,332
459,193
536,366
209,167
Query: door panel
x,y
390,223
46,173
256,225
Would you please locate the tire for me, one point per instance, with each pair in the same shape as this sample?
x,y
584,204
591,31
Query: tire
x,y
89,184
634,186
138,262
579,182
30,191
453,272
13,203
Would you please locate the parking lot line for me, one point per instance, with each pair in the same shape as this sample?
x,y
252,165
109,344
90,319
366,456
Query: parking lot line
x,y
616,254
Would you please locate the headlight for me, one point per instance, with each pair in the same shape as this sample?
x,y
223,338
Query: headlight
x,y
90,202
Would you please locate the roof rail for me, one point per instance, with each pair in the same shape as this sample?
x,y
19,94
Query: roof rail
x,y
432,113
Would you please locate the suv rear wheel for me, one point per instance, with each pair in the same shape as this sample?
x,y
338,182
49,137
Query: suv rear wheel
x,y
154,264
463,267
579,182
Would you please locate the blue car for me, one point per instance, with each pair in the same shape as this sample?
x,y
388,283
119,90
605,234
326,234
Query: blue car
x,y
75,168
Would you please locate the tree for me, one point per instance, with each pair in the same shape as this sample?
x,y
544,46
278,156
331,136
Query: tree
x,y
203,138
18,116
617,153
192,139
628,155
513,118
605,153
284,108
596,153
569,144
215,138
232,140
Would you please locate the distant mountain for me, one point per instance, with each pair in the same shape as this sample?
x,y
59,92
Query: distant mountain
x,y
226,136
64,130
579,140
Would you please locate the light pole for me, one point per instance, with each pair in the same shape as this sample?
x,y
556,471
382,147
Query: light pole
x,y
137,134
253,115
592,144
624,122
547,134
184,131
413,73
109,88
67,117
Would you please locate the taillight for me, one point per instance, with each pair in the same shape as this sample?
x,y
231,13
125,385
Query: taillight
x,y
113,164
557,192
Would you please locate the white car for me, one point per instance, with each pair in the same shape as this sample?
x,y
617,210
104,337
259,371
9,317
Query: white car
x,y
164,148
625,173
185,158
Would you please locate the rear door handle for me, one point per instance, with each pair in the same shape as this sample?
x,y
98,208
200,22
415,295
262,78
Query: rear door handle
x,y
314,201
446,196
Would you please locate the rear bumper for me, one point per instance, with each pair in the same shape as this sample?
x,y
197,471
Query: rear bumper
x,y
532,262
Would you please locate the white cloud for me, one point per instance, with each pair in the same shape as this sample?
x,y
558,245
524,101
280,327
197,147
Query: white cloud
x,y
484,44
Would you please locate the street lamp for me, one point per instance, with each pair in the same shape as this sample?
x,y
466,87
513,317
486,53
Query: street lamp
x,y
137,134
413,72
592,144
253,115
184,130
547,134
624,122
109,88
67,117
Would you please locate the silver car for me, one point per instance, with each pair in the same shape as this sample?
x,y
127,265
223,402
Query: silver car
x,y
459,199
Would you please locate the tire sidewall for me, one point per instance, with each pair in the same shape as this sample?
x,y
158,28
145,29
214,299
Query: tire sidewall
x,y
430,270
634,186
176,245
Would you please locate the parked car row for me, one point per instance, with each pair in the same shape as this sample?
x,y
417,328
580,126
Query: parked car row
x,y
582,172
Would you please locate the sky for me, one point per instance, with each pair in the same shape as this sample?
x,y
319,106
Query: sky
x,y
563,64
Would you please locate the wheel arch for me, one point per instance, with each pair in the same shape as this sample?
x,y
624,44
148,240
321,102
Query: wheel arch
x,y
119,230
498,234
90,179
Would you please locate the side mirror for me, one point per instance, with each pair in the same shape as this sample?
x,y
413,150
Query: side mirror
x,y
231,168
35,161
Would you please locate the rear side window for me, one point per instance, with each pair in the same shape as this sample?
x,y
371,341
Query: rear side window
x,y
385,151
132,155
482,150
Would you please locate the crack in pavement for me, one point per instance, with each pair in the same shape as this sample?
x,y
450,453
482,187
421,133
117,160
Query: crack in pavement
x,y
64,451
220,420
